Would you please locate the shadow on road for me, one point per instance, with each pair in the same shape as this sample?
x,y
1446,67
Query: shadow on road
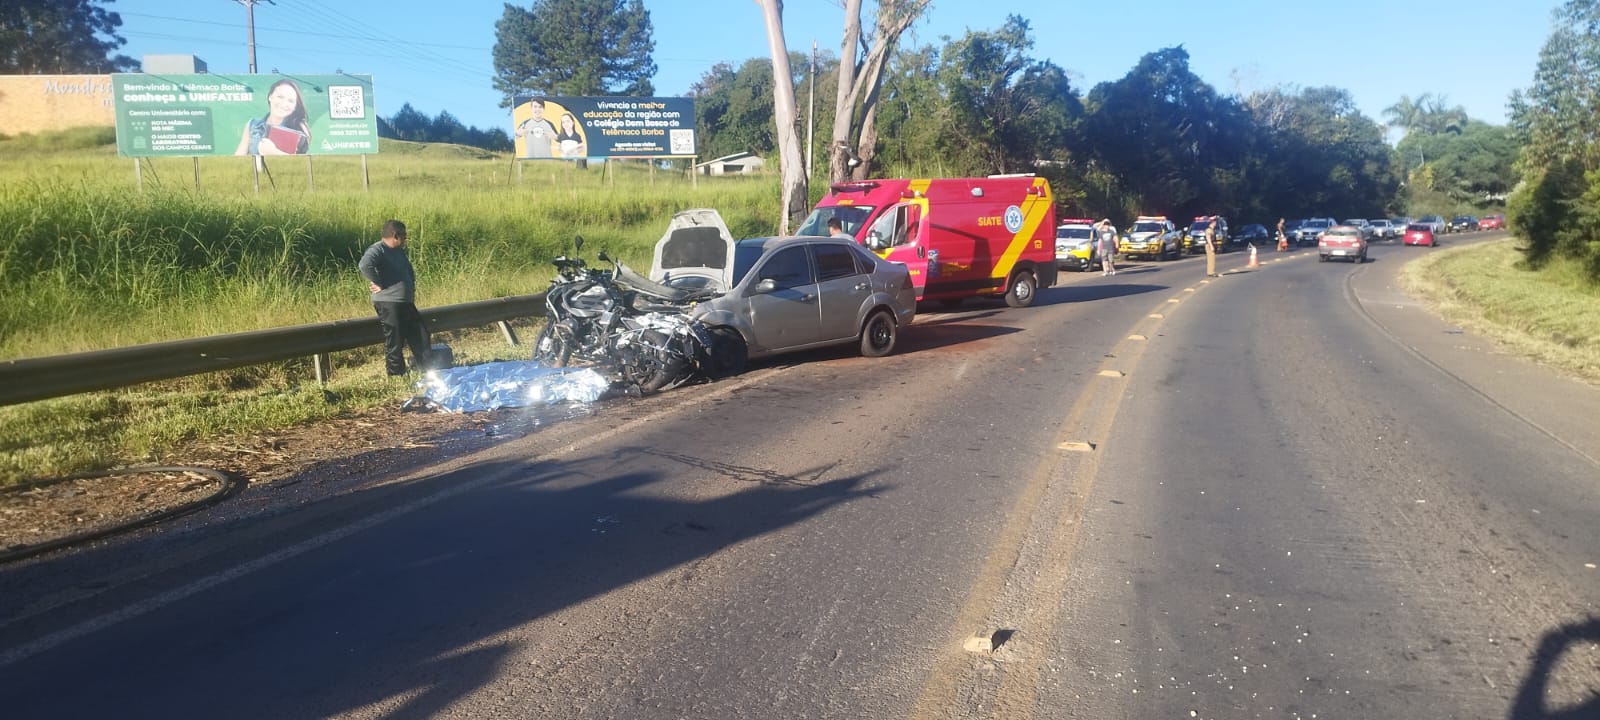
x,y
1090,293
408,613
1530,702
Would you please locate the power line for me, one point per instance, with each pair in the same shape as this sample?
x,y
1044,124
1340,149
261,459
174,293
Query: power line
x,y
408,43
363,33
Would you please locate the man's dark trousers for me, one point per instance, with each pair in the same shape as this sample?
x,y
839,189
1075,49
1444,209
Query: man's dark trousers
x,y
402,325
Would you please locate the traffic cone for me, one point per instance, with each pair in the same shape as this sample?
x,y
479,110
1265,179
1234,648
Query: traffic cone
x,y
1253,264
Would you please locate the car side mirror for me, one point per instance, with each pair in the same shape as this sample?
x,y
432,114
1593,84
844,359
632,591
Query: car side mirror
x,y
766,286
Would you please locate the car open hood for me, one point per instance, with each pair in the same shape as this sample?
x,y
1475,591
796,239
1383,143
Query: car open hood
x,y
696,245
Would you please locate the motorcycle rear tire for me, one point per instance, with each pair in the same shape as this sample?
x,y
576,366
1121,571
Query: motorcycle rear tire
x,y
553,347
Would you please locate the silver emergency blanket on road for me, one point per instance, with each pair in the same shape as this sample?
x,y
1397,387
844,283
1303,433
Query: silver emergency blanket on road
x,y
475,388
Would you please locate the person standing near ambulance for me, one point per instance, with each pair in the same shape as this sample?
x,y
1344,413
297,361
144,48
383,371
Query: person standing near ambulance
x,y
1211,248
1106,235
394,292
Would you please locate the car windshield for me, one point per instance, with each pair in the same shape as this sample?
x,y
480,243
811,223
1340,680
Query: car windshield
x,y
744,258
1378,222
1074,233
1144,227
1198,227
1316,224
851,216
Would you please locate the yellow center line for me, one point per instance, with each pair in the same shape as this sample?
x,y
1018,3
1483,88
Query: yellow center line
x,y
1058,515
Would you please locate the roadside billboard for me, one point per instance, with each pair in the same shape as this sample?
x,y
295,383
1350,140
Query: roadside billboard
x,y
194,115
600,127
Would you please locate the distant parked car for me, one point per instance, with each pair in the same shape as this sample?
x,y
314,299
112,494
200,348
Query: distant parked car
x,y
1463,223
1419,234
1492,222
1343,241
1368,232
1400,224
1383,229
1435,224
1309,230
1252,235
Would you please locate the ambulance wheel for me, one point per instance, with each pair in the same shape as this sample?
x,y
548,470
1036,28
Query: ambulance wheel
x,y
878,334
1021,292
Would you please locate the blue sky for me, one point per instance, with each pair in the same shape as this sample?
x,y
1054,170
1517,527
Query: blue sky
x,y
436,55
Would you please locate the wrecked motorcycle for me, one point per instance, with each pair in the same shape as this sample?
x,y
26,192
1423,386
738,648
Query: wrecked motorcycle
x,y
617,319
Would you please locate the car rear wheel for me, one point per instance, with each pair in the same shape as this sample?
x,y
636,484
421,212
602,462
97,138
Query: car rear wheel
x,y
1021,292
878,334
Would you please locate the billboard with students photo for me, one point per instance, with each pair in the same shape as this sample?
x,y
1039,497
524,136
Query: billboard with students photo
x,y
600,127
195,115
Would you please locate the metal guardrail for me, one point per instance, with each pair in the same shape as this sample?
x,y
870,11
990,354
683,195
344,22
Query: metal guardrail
x,y
40,378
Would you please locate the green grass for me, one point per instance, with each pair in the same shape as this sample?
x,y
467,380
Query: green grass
x,y
1551,315
88,262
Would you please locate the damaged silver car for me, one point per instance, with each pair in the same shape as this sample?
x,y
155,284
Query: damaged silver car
x,y
782,294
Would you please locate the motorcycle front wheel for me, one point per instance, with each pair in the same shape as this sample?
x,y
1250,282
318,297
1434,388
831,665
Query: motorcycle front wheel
x,y
553,347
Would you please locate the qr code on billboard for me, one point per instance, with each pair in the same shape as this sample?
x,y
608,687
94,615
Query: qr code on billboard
x,y
681,141
346,102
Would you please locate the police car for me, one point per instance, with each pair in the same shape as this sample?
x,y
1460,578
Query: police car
x,y
1152,236
1075,245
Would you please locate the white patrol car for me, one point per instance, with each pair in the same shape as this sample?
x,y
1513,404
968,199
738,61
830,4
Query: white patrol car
x,y
1075,245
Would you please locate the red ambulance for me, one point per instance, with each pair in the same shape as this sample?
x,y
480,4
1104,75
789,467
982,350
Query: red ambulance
x,y
959,237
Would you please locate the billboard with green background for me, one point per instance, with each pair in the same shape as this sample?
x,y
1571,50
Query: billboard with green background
x,y
195,115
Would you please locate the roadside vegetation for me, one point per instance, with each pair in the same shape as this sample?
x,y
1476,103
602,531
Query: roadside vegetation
x,y
89,262
1551,314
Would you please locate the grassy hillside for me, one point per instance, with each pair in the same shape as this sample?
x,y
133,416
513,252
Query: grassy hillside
x,y
90,262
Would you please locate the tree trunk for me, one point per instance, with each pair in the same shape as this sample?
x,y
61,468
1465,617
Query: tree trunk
x,y
791,167
894,18
844,100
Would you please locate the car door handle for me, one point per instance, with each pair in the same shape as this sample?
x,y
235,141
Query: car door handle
x,y
808,298
863,286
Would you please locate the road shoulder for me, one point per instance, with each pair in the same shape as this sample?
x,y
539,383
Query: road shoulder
x,y
1560,406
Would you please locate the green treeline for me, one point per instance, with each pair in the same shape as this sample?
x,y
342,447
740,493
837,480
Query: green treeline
x,y
1157,140
1557,205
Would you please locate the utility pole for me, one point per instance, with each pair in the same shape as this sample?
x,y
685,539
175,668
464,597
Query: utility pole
x,y
250,27
811,100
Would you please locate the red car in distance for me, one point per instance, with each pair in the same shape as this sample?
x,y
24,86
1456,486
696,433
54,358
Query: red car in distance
x,y
1418,234
1492,222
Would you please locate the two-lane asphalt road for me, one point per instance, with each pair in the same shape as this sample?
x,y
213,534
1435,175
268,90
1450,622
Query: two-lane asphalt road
x,y
1150,496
